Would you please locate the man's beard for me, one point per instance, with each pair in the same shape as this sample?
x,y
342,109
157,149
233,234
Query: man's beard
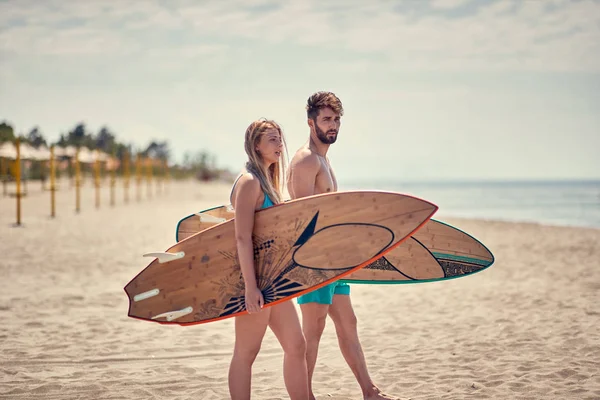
x,y
323,135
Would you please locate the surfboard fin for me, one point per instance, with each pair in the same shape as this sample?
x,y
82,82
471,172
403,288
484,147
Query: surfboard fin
x,y
172,315
166,257
146,295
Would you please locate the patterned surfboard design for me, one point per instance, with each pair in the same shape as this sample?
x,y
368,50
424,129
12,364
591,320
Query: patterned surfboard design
x,y
299,246
437,251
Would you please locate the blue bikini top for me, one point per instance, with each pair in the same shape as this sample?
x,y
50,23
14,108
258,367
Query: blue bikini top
x,y
266,203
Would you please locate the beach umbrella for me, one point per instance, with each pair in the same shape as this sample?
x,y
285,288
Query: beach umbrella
x,y
59,151
42,153
70,151
8,150
101,156
27,151
112,163
86,156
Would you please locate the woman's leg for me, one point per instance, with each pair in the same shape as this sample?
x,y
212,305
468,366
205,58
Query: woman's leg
x,y
249,332
285,324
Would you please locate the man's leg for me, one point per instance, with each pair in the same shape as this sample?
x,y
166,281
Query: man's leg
x,y
342,314
314,307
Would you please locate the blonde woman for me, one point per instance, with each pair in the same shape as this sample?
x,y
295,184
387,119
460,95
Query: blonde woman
x,y
259,186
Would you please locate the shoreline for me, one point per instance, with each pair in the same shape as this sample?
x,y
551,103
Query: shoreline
x,y
510,221
88,192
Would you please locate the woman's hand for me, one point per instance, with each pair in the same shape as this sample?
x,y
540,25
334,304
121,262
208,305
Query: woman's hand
x,y
254,299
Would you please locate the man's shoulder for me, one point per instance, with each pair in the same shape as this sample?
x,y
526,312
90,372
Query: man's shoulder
x,y
306,156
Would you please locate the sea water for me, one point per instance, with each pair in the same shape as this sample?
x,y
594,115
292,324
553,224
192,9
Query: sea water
x,y
563,203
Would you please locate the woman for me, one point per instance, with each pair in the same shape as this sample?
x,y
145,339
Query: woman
x,y
259,187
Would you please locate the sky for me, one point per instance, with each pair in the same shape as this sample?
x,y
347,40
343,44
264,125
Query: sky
x,y
432,90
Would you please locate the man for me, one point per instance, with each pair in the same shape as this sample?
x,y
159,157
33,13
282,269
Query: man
x,y
310,173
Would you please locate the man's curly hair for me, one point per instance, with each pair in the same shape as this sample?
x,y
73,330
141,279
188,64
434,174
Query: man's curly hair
x,y
321,100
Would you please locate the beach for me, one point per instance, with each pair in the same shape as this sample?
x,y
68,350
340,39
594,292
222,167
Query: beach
x,y
526,328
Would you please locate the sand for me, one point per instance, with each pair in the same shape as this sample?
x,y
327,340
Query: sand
x,y
527,328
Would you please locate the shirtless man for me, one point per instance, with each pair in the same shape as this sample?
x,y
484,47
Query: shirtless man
x,y
310,173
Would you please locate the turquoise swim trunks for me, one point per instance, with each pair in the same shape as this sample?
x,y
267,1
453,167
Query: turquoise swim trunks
x,y
325,294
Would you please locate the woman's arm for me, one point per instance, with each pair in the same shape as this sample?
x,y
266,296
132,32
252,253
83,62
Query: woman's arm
x,y
246,198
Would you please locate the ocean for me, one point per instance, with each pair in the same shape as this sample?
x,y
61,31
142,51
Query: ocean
x,y
561,203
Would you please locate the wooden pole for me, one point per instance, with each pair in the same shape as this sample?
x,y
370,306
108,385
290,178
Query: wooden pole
x,y
149,176
112,180
52,183
77,183
167,176
97,180
18,179
138,176
3,174
160,177
126,176
42,171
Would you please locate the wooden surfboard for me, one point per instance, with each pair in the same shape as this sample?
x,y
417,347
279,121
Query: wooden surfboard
x,y
299,246
435,252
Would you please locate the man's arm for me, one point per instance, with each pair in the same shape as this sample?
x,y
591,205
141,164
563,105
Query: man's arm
x,y
304,176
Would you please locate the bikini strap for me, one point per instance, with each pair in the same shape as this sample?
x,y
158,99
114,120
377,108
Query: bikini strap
x,y
233,187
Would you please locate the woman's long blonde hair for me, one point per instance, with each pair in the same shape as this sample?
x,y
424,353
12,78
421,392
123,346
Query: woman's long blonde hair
x,y
271,179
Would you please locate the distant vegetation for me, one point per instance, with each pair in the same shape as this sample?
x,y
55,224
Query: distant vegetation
x,y
201,164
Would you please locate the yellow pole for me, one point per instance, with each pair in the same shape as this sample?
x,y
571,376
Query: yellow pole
x,y
163,176
104,173
138,175
77,182
71,172
112,180
24,179
167,176
97,180
149,176
18,179
4,174
52,183
159,176
42,180
126,176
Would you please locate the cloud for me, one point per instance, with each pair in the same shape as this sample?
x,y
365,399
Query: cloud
x,y
505,34
408,72
448,4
